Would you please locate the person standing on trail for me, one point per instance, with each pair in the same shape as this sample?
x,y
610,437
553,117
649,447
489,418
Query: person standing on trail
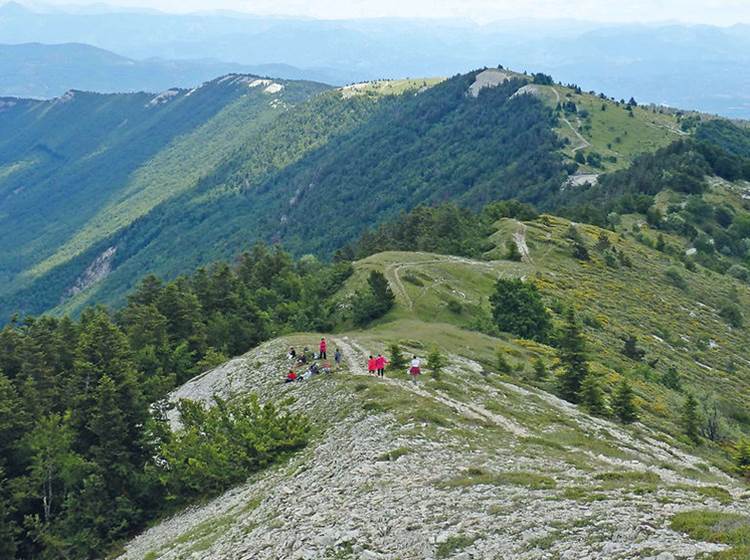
x,y
414,369
371,366
323,347
337,358
380,363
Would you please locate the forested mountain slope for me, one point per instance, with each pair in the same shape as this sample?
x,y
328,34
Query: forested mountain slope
x,y
301,166
80,167
556,413
313,180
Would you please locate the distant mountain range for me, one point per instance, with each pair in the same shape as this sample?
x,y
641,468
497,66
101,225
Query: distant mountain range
x,y
34,70
688,66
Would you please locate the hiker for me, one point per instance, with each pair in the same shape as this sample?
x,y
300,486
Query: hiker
x,y
371,366
414,369
323,347
291,377
303,357
292,354
337,358
380,363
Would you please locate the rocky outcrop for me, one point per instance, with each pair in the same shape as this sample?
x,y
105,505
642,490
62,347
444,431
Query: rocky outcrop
x,y
488,470
95,272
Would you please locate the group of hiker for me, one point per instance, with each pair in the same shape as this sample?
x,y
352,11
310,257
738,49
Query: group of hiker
x,y
375,364
301,359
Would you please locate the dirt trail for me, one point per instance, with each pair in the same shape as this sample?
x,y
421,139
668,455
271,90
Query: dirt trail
x,y
584,143
520,239
393,271
355,356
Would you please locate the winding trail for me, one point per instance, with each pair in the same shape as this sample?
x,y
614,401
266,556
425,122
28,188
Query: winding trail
x,y
393,271
584,143
355,356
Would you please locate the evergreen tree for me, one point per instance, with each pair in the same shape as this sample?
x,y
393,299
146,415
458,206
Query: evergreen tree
x,y
742,458
671,379
690,418
591,395
502,363
540,370
623,403
572,354
397,359
631,349
436,362
8,529
517,308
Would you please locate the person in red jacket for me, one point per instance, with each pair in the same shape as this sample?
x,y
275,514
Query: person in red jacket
x,y
323,347
380,363
372,366
290,377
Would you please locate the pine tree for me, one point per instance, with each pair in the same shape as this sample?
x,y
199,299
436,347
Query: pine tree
x,y
502,363
436,362
623,403
591,395
690,419
540,369
742,458
8,529
631,349
572,354
397,359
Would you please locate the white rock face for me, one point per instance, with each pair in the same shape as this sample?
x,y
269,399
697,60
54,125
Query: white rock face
x,y
491,77
163,97
98,270
476,474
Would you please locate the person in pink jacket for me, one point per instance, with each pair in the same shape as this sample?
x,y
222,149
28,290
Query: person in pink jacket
x,y
380,363
323,348
372,366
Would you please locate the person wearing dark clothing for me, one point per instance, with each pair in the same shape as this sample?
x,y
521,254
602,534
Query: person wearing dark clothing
x,y
337,358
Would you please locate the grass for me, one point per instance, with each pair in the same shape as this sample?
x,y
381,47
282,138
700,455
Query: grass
x,y
716,527
453,544
393,454
475,475
612,132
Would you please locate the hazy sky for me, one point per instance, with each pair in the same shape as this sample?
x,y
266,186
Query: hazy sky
x,y
721,12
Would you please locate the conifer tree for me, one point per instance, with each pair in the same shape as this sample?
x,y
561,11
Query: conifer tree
x,y
540,369
631,349
623,403
572,354
591,395
742,458
436,362
690,418
397,359
8,529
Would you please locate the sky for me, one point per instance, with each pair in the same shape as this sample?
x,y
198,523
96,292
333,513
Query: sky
x,y
717,12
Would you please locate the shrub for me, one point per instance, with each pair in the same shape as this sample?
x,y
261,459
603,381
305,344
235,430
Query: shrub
x,y
732,314
220,446
740,272
675,278
517,308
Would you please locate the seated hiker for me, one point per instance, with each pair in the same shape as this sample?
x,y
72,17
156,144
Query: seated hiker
x,y
315,368
325,368
290,377
292,354
302,358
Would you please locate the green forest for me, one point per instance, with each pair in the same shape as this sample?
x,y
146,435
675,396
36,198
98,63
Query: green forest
x,y
87,455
